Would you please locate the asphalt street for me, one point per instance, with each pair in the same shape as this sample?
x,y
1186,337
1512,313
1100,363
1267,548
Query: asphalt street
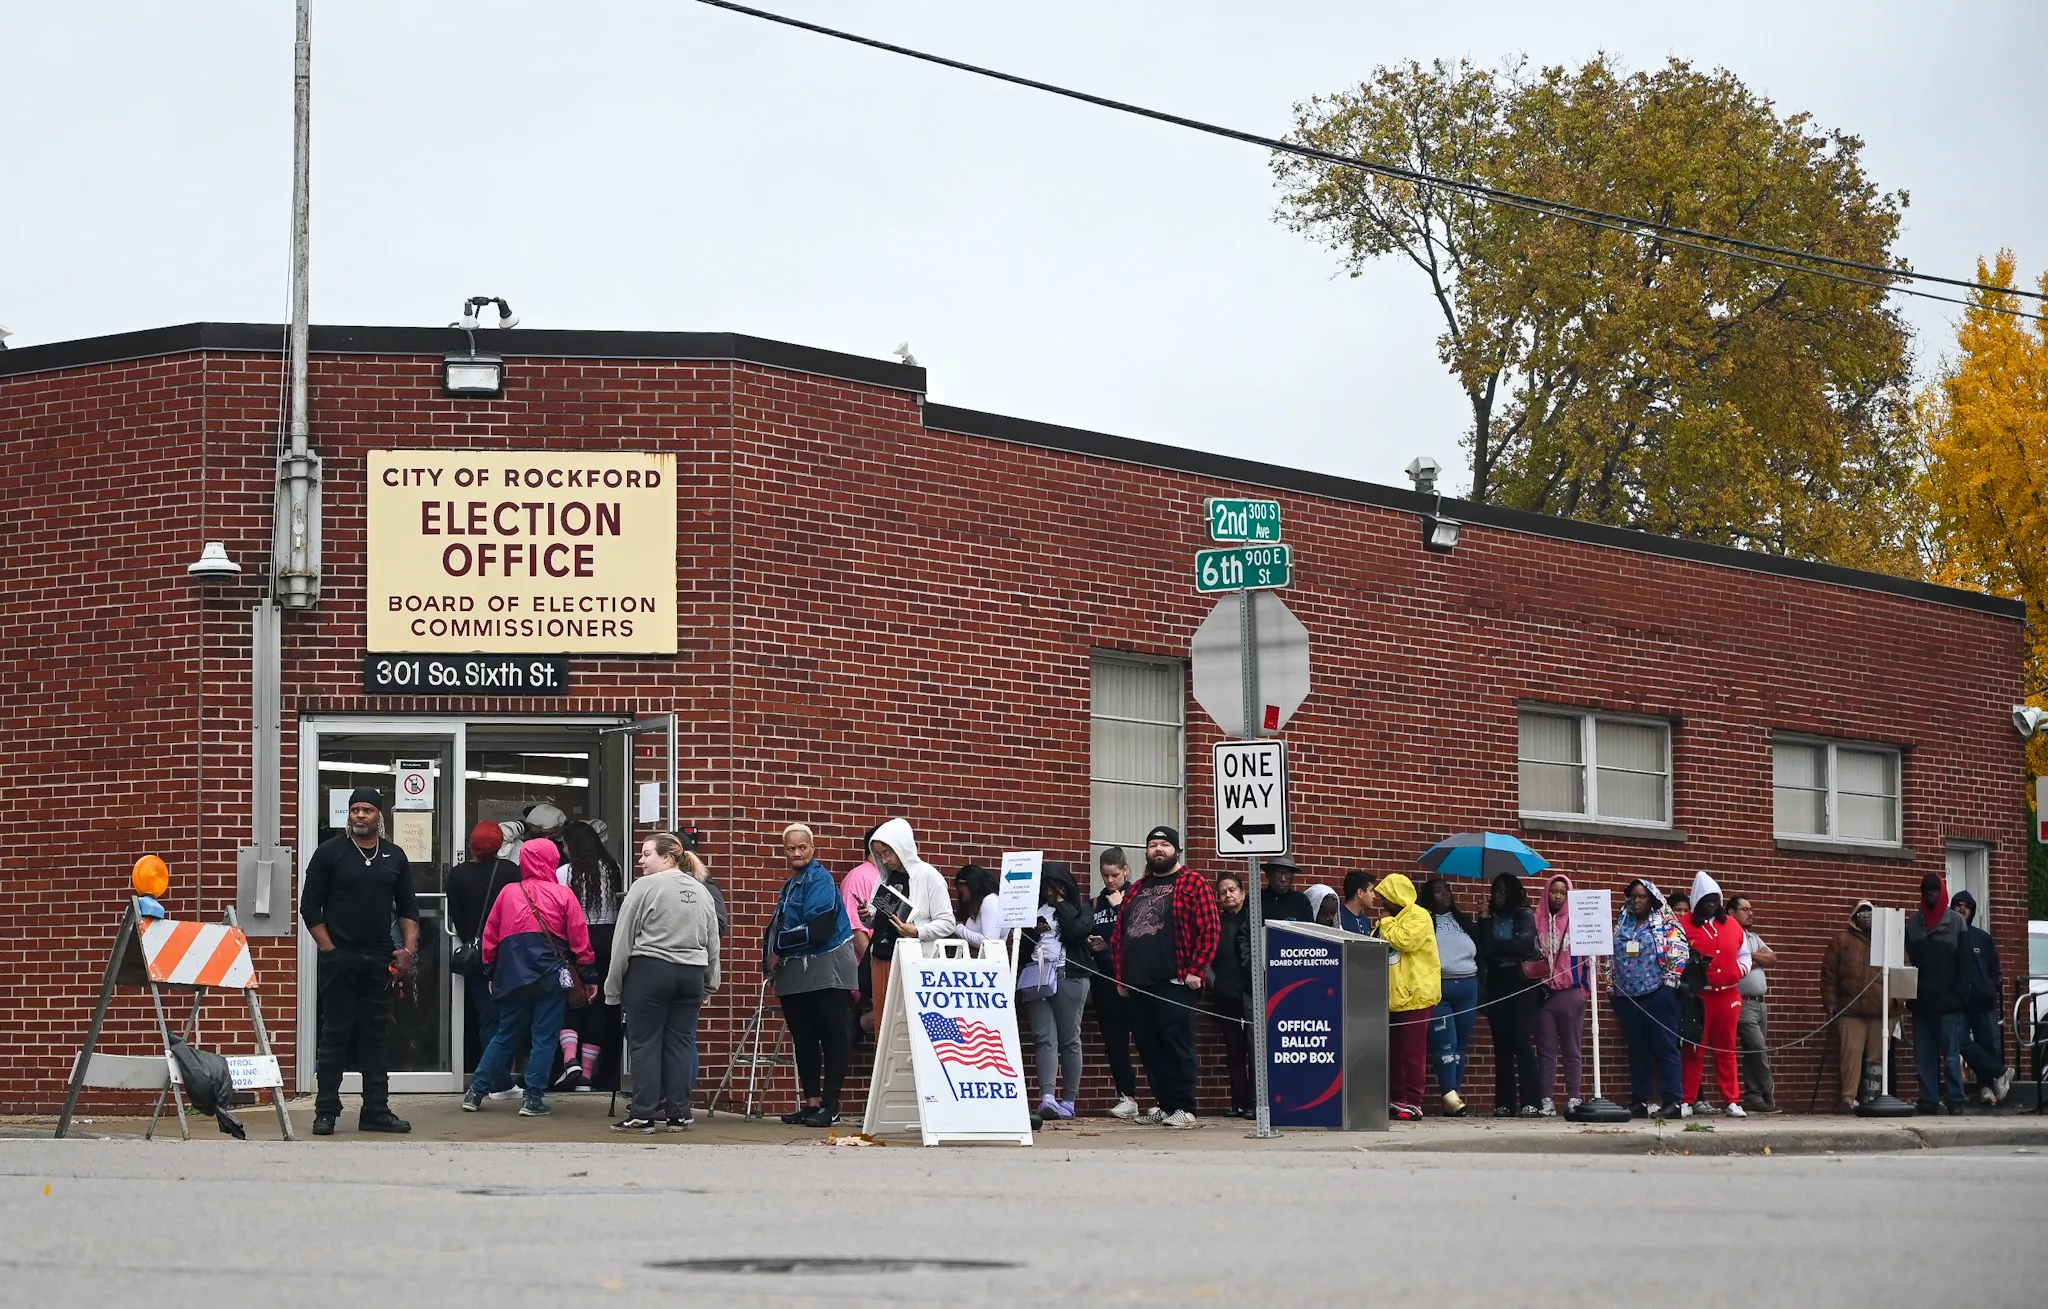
x,y
373,1223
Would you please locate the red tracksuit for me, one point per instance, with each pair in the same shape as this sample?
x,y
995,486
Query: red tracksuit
x,y
1723,941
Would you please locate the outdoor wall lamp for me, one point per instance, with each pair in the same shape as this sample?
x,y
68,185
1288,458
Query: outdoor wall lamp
x,y
473,374
2028,721
1439,533
214,568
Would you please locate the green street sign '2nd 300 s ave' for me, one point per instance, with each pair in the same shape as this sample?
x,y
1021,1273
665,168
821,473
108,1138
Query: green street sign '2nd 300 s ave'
x,y
1246,567
1244,520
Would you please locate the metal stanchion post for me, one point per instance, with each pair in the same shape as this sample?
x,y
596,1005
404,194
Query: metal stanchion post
x,y
1248,661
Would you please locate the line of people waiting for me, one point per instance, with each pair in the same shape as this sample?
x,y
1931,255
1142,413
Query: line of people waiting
x,y
1687,981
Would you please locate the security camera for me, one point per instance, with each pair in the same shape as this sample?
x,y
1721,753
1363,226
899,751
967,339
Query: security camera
x,y
1422,471
213,567
2028,721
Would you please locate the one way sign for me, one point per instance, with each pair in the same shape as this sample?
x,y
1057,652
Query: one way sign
x,y
1251,797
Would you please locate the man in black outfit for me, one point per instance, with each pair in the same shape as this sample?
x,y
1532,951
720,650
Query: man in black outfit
x,y
355,887
1279,901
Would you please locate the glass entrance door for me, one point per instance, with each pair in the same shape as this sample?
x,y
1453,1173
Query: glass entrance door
x,y
416,765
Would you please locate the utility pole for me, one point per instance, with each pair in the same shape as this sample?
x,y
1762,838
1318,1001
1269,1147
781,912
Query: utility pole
x,y
295,554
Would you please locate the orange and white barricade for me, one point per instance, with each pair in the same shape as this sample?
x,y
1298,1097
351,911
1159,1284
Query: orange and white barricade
x,y
156,953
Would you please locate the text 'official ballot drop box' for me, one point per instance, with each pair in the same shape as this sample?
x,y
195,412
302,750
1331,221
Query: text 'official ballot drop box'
x,y
1326,1027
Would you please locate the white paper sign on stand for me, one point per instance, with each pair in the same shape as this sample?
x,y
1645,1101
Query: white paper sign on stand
x,y
1592,917
1022,870
948,1064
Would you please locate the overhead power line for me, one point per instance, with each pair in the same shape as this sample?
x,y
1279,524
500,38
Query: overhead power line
x,y
1734,247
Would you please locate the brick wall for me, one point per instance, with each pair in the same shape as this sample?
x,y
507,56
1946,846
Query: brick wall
x,y
881,620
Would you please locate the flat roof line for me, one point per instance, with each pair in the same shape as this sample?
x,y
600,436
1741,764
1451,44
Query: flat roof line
x,y
1246,472
553,343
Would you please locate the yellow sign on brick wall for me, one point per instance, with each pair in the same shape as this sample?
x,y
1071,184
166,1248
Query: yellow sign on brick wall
x,y
521,552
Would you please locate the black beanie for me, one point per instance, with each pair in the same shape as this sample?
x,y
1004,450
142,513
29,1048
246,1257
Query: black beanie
x,y
1164,833
366,795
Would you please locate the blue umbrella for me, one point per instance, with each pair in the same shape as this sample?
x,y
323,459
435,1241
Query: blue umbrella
x,y
1482,854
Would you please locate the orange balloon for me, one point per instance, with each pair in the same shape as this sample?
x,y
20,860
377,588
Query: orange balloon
x,y
151,877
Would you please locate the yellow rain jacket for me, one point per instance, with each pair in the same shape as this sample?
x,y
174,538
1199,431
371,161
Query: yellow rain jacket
x,y
1414,974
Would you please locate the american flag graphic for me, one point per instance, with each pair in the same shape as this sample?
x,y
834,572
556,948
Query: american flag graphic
x,y
971,1045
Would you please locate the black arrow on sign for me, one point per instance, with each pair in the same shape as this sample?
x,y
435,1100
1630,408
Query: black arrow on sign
x,y
1239,829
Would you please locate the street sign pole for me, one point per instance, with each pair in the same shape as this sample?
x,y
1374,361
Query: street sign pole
x,y
1254,721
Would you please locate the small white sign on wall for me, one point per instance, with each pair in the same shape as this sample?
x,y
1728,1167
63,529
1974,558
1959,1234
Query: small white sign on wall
x,y
650,802
1021,872
415,789
1592,915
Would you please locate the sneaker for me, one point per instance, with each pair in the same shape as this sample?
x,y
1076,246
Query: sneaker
x,y
1535,1111
1952,1107
1155,1115
1926,1108
534,1107
1179,1118
472,1103
1503,1111
509,1093
797,1119
1454,1105
679,1124
2002,1087
383,1120
1643,1109
1549,1109
1685,1111
1846,1107
323,1124
644,1126
1989,1097
1064,1108
1126,1109
1704,1109
1737,1111
1048,1107
821,1116
1665,1113
1404,1113
1573,1103
583,1086
570,1075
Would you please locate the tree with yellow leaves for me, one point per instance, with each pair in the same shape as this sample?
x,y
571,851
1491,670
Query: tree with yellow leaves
x,y
1985,421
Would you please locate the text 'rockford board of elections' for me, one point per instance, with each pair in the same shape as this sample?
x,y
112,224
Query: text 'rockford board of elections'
x,y
1304,1031
522,552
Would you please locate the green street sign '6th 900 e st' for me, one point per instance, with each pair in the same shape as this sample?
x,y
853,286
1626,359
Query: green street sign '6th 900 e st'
x,y
1246,567
1244,520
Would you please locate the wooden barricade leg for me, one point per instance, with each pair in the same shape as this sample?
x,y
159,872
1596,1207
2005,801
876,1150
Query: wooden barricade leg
x,y
284,1119
99,1018
156,996
191,1033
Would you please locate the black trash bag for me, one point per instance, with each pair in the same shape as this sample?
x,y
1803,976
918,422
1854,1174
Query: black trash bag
x,y
209,1086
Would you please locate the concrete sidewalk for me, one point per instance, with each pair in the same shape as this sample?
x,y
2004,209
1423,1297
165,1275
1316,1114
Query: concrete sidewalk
x,y
582,1119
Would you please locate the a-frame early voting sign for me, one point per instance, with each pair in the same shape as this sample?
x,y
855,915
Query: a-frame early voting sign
x,y
948,1064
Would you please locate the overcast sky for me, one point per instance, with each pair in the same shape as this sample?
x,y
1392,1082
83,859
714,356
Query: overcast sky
x,y
663,165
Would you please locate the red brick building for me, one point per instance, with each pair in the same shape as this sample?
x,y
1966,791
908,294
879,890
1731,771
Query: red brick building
x,y
979,623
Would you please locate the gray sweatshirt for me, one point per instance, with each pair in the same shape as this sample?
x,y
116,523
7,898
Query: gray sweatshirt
x,y
665,916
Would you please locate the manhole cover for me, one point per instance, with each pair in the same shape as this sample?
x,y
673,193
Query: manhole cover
x,y
811,1266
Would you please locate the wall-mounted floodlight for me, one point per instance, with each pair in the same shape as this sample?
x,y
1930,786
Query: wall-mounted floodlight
x,y
1439,533
2028,721
213,567
473,375
477,375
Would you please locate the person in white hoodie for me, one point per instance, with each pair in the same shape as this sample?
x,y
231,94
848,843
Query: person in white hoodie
x,y
664,965
894,850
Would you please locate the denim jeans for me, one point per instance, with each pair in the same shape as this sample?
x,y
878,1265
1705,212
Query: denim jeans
x,y
485,1006
1938,1056
535,1008
1649,1027
1983,1045
1450,1031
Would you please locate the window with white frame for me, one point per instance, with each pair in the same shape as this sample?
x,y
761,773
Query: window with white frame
x,y
1595,767
1836,790
1138,768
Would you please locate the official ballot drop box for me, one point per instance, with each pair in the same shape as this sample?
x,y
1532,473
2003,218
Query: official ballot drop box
x,y
1326,1028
